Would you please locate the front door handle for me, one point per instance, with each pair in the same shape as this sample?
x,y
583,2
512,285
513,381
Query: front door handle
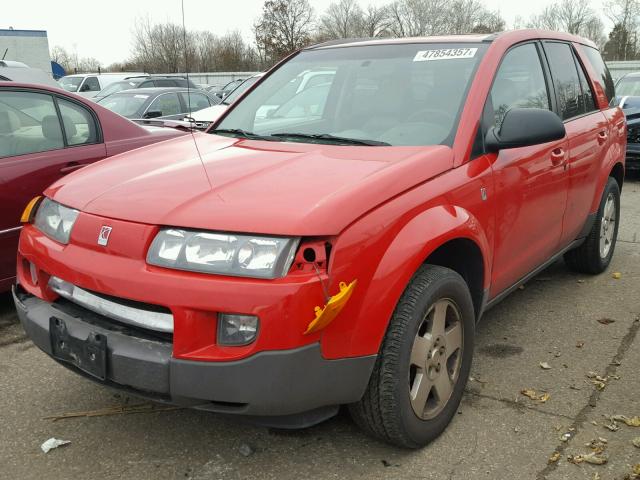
x,y
70,167
558,157
602,137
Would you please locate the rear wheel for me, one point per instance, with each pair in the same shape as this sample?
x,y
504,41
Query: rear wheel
x,y
424,361
594,255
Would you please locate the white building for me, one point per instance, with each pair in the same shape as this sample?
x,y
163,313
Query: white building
x,y
26,46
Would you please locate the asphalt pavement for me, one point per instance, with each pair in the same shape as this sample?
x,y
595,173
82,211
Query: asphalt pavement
x,y
578,325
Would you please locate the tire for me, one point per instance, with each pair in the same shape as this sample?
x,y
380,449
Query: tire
x,y
386,411
594,254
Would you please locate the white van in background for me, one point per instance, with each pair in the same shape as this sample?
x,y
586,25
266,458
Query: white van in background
x,y
88,84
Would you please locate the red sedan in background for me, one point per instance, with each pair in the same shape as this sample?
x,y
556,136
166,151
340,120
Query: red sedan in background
x,y
46,133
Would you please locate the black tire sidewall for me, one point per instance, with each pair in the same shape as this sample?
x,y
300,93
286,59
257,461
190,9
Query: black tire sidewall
x,y
453,287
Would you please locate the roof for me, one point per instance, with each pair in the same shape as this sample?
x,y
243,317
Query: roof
x,y
511,35
10,32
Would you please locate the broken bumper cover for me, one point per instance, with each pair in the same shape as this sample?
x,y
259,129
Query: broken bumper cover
x,y
269,383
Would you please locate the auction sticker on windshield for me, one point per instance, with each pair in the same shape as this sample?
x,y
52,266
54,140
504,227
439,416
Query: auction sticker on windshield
x,y
444,54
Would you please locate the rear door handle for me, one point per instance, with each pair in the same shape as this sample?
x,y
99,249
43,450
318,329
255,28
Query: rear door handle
x,y
558,157
602,137
70,167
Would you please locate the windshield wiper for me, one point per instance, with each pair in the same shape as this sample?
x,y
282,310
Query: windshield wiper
x,y
332,139
238,132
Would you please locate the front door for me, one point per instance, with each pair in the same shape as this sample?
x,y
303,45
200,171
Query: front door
x,y
530,182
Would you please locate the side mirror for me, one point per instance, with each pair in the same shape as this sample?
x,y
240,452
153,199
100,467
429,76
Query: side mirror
x,y
85,87
153,114
522,127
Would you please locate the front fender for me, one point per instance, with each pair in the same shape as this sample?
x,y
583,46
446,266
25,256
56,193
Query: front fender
x,y
385,268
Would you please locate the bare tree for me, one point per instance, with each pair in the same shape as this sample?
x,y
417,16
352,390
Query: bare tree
x,y
410,18
284,26
572,16
467,16
375,22
342,20
623,13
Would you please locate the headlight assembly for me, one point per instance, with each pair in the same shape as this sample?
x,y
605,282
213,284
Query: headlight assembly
x,y
223,253
55,220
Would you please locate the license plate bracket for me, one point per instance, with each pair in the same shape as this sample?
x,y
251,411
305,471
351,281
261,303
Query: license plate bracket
x,y
89,355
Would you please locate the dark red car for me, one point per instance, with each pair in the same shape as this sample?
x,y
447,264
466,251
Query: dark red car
x,y
46,133
334,243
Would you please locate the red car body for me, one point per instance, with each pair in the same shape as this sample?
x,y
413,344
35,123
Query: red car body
x,y
384,211
24,176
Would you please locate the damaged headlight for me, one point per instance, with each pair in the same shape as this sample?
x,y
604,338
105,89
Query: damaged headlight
x,y
223,253
55,220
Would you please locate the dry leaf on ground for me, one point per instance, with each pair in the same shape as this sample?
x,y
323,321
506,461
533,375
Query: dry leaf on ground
x,y
555,456
636,442
606,321
592,458
616,275
545,366
631,422
533,395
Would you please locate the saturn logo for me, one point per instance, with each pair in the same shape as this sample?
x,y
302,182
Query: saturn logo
x,y
103,238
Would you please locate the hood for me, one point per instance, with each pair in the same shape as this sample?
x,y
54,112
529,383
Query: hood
x,y
248,186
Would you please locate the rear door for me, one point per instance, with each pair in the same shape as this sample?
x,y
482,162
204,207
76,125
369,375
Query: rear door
x,y
587,131
42,138
530,182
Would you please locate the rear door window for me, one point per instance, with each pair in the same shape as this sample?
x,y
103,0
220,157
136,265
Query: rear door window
x,y
586,102
565,79
167,104
79,125
198,101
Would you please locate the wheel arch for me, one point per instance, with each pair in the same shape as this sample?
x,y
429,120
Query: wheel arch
x,y
617,172
443,235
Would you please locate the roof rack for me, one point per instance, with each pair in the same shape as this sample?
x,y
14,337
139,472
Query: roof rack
x,y
339,41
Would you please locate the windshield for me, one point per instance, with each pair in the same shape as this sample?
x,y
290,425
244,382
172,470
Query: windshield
x,y
239,90
127,105
70,84
628,86
394,94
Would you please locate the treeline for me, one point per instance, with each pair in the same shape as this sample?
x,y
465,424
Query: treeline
x,y
286,25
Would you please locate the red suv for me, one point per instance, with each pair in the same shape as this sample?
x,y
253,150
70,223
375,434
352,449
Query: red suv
x,y
336,243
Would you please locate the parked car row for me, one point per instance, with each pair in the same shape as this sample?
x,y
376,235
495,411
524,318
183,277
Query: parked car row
x,y
169,103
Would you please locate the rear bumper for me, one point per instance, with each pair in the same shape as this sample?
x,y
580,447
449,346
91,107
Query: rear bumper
x,y
268,383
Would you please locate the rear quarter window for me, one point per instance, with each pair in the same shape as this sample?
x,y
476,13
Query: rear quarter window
x,y
595,59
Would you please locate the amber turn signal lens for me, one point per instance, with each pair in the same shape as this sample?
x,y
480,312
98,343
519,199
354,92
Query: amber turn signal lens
x,y
30,210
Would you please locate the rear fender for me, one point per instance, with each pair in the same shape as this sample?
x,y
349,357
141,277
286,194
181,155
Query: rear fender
x,y
615,153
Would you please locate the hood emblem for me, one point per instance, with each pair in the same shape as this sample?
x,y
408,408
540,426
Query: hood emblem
x,y
103,238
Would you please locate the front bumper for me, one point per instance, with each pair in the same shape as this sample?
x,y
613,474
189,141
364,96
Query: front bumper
x,y
268,383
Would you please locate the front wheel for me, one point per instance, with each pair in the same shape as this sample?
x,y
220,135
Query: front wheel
x,y
595,253
424,362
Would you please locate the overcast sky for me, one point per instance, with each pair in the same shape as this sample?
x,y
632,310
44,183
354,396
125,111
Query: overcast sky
x,y
104,29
